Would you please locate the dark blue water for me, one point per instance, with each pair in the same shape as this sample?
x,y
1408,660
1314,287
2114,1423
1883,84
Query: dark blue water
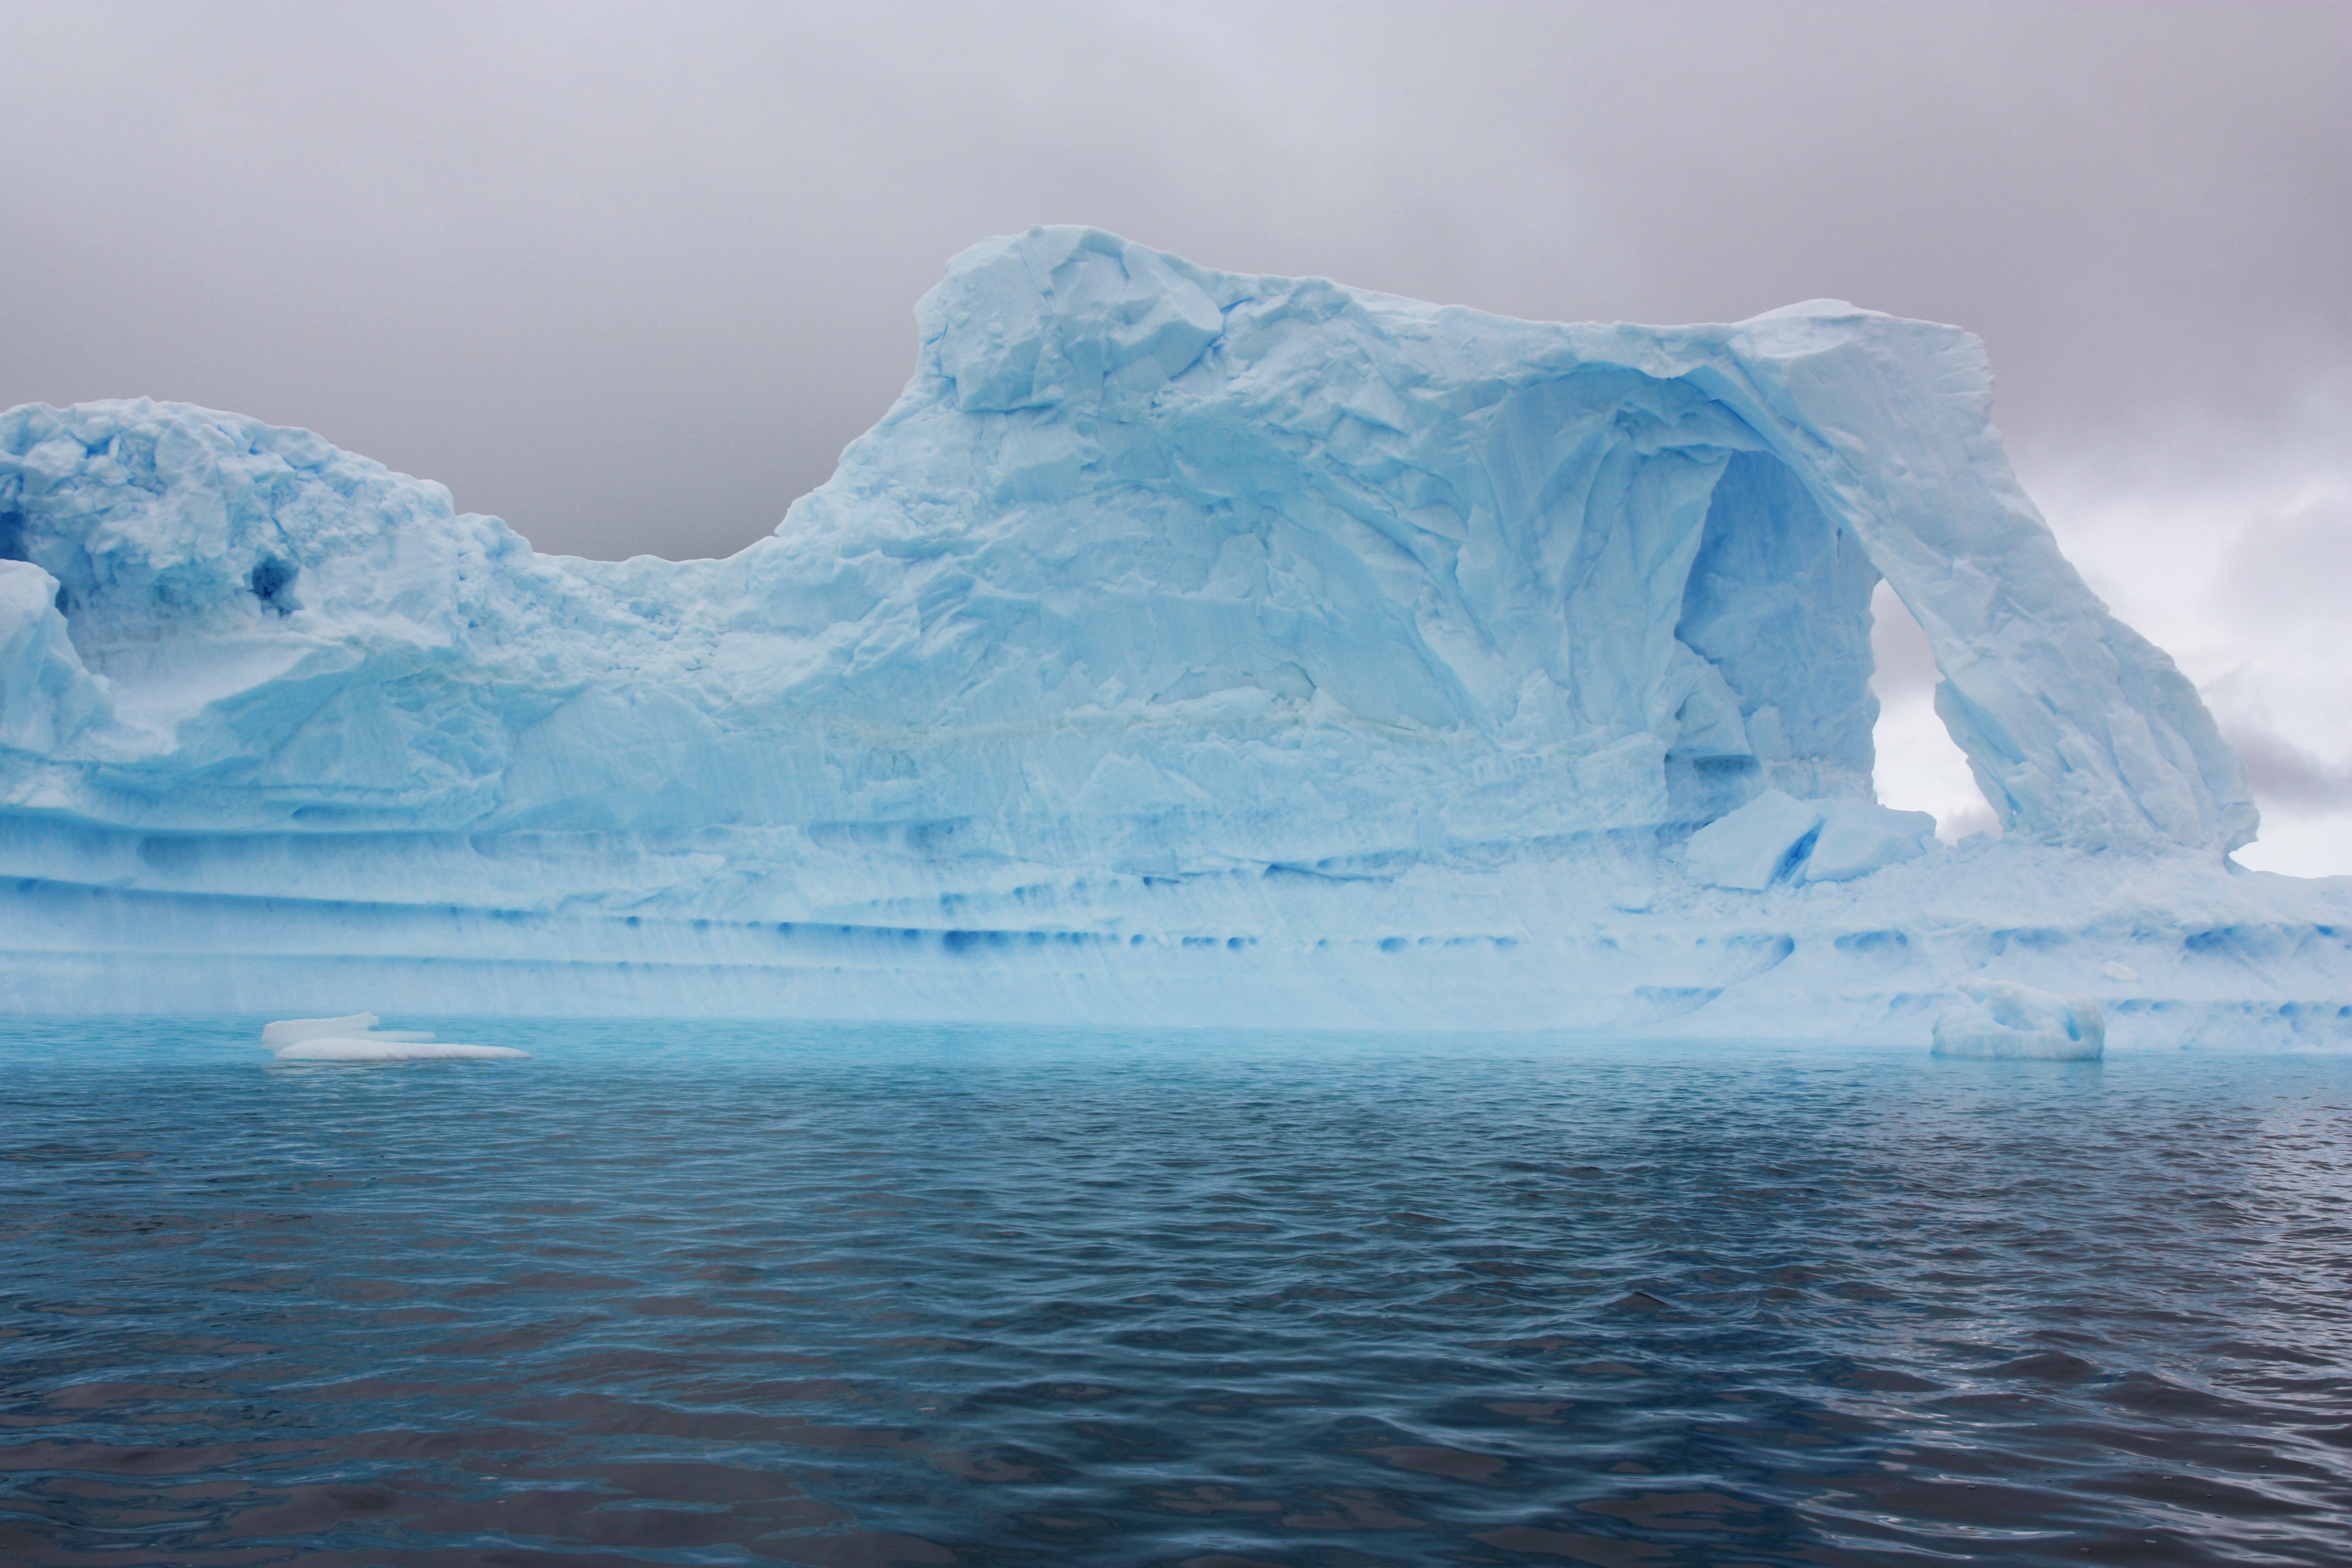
x,y
733,1294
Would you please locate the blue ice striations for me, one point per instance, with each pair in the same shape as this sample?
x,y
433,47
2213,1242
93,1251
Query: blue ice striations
x,y
1182,646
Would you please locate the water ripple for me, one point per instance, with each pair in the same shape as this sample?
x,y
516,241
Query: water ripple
x,y
834,1296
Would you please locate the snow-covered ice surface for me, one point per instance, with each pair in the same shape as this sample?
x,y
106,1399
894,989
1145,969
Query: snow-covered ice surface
x,y
1182,646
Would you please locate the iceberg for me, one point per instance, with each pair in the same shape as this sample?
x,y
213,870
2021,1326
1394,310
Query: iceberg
x,y
1182,646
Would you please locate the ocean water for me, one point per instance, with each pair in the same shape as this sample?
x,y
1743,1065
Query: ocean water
x,y
696,1293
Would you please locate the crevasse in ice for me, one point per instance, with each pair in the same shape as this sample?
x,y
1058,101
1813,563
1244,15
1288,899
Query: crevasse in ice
x,y
1181,647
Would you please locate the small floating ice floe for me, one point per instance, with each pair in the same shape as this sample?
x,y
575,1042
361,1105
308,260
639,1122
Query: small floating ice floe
x,y
355,1038
2002,1019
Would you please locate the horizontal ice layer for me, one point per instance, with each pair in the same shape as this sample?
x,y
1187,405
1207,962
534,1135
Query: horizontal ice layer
x,y
1580,936
1168,611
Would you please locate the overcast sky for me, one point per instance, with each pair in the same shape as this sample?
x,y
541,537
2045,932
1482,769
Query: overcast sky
x,y
631,276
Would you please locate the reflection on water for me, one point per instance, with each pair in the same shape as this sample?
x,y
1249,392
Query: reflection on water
x,y
714,1294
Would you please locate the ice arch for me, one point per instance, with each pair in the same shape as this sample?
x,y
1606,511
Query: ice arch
x,y
1518,465
2078,730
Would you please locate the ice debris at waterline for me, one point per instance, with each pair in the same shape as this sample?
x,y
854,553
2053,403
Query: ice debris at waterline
x,y
1182,646
355,1038
2003,1020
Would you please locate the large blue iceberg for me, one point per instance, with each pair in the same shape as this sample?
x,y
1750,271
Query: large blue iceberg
x,y
1182,648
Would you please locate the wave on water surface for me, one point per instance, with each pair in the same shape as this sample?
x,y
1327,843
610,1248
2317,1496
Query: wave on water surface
x,y
714,1294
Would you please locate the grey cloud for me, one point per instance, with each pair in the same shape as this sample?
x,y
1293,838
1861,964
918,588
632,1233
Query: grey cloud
x,y
2296,564
1904,665
631,276
2285,775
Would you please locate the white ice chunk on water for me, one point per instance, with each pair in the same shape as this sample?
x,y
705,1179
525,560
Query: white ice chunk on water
x,y
1858,838
388,1048
355,1025
2005,1020
1750,846
288,1031
354,1038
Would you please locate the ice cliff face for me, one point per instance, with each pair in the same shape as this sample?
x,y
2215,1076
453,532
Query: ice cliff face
x,y
1163,599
